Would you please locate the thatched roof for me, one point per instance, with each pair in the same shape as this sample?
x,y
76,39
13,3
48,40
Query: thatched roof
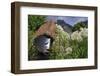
x,y
47,28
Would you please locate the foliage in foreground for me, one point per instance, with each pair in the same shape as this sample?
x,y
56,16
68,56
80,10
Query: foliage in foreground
x,y
34,22
65,46
69,47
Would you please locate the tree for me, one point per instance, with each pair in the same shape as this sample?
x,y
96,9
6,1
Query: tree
x,y
34,22
79,25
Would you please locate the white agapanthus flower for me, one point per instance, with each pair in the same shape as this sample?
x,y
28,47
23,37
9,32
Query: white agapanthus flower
x,y
62,32
59,27
76,36
68,50
84,32
81,29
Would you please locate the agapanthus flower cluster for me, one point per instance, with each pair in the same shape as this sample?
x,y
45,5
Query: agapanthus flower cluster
x,y
66,44
68,50
79,35
61,32
84,32
76,36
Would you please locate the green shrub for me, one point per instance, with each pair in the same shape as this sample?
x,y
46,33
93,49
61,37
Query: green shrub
x,y
78,26
34,22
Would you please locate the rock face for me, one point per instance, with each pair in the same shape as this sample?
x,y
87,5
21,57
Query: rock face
x,y
42,44
65,26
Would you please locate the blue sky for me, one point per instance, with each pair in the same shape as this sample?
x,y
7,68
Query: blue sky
x,y
68,19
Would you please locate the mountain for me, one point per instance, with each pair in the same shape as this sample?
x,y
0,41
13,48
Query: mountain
x,y
67,27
